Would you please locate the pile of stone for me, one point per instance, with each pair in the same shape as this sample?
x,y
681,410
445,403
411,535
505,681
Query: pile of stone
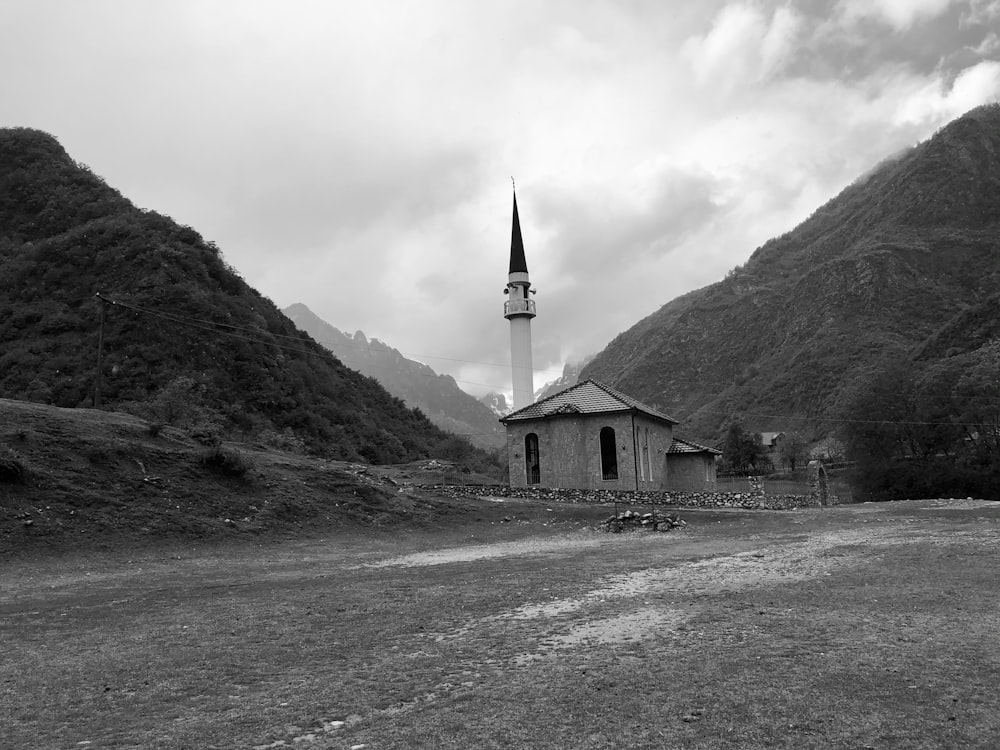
x,y
631,520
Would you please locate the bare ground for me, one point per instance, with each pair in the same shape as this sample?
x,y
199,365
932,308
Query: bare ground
x,y
868,626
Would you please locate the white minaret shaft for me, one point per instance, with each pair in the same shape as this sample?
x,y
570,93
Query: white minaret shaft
x,y
519,309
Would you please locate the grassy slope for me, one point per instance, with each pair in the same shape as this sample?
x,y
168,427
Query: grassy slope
x,y
100,479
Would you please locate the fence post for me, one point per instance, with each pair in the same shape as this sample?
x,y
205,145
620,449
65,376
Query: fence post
x,y
100,353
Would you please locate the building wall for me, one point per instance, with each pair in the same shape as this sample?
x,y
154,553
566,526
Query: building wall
x,y
569,448
656,437
690,472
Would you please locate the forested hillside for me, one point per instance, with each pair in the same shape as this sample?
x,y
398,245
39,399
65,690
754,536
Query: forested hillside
x,y
904,264
187,340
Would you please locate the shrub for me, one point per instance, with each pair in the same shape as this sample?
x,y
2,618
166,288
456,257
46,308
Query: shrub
x,y
227,461
207,433
11,466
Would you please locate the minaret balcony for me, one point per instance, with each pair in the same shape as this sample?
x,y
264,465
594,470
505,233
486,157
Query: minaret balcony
x,y
519,307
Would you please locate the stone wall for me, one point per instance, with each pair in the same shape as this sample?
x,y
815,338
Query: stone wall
x,y
753,499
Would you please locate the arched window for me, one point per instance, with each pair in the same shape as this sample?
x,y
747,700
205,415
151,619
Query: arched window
x,y
532,469
609,456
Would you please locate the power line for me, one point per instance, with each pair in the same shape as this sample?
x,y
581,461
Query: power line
x,y
837,419
230,329
235,331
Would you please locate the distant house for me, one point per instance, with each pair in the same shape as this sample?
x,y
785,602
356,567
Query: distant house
x,y
772,443
591,436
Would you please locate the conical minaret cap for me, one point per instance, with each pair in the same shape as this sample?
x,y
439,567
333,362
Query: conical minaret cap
x,y
517,261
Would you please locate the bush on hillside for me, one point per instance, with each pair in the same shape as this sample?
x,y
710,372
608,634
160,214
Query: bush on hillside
x,y
227,461
11,466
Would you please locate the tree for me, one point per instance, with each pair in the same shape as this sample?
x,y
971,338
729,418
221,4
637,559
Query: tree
x,y
915,430
742,450
793,449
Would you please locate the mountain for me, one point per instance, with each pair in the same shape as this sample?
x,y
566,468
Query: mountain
x,y
437,396
570,377
496,403
182,337
905,260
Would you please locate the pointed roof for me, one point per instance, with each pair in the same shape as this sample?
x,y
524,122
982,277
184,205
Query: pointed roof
x,y
588,397
517,261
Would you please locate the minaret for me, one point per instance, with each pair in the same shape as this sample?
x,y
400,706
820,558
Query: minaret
x,y
519,309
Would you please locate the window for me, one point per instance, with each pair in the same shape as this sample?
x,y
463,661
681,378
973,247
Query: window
x,y
533,471
609,457
642,468
645,451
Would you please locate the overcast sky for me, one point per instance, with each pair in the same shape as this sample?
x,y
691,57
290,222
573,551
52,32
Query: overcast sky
x,y
357,156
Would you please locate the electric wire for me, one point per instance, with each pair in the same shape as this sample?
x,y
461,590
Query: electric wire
x,y
235,331
176,317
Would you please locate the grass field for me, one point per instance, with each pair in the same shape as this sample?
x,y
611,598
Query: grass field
x,y
869,626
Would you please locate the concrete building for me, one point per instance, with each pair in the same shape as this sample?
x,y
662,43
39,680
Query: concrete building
x,y
519,309
591,436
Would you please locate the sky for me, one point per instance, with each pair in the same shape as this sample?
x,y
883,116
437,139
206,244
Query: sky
x,y
358,157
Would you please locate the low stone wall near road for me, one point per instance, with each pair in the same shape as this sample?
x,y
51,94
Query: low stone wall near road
x,y
629,497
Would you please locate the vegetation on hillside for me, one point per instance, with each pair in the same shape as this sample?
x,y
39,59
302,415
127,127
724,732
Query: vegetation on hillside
x,y
905,262
93,478
184,321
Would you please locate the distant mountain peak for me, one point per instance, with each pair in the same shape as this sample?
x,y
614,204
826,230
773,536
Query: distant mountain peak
x,y
496,403
437,396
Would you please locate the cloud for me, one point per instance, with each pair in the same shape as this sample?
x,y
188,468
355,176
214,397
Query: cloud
x,y
980,12
586,226
743,44
356,157
899,14
989,46
937,103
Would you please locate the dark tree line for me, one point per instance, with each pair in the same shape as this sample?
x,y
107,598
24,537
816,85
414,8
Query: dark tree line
x,y
928,429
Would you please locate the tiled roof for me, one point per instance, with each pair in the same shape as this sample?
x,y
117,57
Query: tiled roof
x,y
588,397
686,446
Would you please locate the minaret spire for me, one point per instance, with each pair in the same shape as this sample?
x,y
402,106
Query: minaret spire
x,y
517,262
519,309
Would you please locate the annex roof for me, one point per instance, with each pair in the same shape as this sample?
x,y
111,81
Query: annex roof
x,y
679,445
588,397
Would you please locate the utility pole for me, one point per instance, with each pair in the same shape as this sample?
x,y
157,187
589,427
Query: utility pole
x,y
100,352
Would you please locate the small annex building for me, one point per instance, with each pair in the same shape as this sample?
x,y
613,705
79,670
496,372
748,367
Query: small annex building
x,y
590,436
